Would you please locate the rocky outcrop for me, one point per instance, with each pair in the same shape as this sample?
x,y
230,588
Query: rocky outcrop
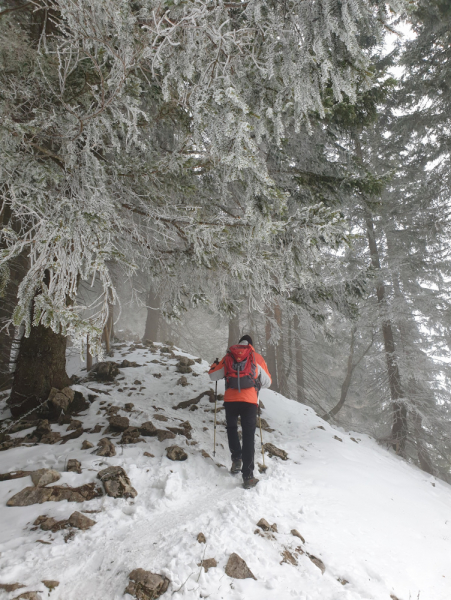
x,y
28,596
184,365
164,434
145,585
86,445
208,563
131,436
287,557
263,524
43,477
116,483
60,400
118,423
237,568
196,400
296,533
51,584
272,450
176,453
73,465
11,587
148,429
104,371
80,521
38,495
105,448
317,562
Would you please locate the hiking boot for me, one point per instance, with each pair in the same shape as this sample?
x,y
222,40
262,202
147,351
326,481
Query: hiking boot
x,y
250,483
236,466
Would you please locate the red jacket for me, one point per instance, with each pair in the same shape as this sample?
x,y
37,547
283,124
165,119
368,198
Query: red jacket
x,y
217,372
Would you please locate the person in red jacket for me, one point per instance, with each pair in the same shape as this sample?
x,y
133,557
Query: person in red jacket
x,y
245,372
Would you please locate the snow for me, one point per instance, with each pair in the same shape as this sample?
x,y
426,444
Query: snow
x,y
374,520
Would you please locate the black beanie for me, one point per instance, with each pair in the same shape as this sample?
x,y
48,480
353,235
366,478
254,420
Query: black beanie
x,y
246,338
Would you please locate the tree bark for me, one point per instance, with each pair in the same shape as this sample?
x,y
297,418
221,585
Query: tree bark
x,y
153,317
399,409
300,382
234,330
347,381
280,354
271,355
41,365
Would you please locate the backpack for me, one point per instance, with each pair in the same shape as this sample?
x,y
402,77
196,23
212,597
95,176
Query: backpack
x,y
240,368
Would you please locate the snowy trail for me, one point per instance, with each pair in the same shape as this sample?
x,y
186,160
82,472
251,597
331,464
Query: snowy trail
x,y
376,522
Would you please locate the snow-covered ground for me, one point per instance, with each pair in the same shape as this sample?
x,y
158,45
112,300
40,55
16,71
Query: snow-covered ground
x,y
375,522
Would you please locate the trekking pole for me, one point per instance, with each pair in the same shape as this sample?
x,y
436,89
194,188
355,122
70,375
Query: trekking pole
x,y
214,435
261,435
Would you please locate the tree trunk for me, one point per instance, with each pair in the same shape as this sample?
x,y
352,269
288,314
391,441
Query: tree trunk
x,y
234,331
153,317
347,381
399,409
41,365
88,355
271,356
300,382
280,354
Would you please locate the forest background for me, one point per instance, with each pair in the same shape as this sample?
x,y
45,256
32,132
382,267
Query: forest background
x,y
195,170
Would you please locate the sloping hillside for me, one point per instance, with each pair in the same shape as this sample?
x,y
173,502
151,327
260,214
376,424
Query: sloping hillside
x,y
379,527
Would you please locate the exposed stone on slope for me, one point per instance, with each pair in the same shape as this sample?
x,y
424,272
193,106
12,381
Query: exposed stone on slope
x,y
11,587
148,429
86,445
263,524
208,563
201,538
272,450
80,521
73,465
237,568
145,585
14,475
116,483
296,533
105,448
287,557
104,371
196,400
119,423
74,424
43,477
131,436
317,562
164,434
176,453
38,495
28,596
51,584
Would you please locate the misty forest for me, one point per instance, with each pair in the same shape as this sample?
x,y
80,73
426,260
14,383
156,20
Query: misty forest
x,y
175,174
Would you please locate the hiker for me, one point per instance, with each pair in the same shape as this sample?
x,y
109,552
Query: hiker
x,y
245,373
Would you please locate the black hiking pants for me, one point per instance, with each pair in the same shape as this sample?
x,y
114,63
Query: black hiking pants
x,y
248,413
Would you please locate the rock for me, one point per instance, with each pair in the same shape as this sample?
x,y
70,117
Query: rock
x,y
183,381
183,369
342,581
28,596
176,453
198,361
160,418
263,524
163,435
105,371
149,454
145,585
64,419
296,533
116,483
196,400
287,557
318,562
80,521
119,423
51,584
129,406
274,451
185,361
10,587
86,445
208,563
46,523
73,465
96,429
337,438
21,425
265,425
38,495
74,424
157,375
43,428
106,448
43,477
14,475
237,568
127,363
201,538
51,438
205,454
131,436
148,429
59,400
